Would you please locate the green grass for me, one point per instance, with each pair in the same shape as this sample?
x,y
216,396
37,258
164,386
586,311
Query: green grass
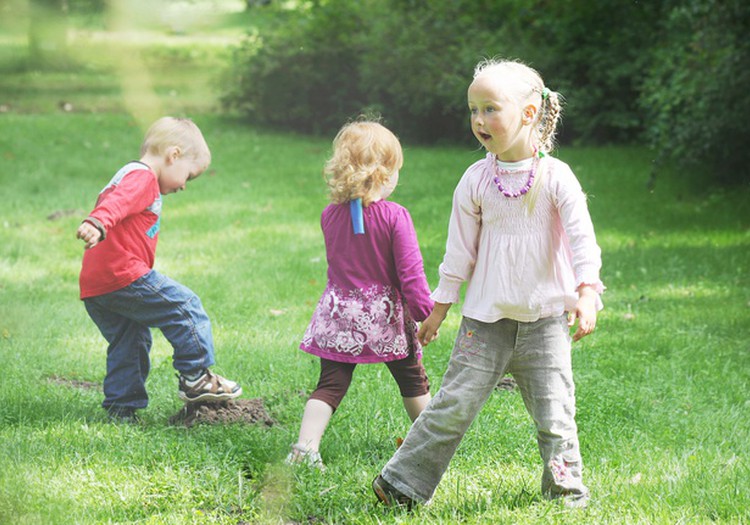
x,y
662,386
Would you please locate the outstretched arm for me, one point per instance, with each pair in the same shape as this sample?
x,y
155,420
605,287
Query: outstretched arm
x,y
134,192
428,331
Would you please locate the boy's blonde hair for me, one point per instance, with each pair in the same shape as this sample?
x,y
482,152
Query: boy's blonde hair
x,y
181,132
366,154
525,85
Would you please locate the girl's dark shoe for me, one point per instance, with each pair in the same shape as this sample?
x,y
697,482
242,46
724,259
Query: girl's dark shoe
x,y
389,495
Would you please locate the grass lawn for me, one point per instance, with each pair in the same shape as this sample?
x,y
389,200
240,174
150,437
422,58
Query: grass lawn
x,y
662,386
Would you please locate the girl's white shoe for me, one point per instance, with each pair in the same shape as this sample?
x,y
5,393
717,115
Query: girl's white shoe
x,y
302,456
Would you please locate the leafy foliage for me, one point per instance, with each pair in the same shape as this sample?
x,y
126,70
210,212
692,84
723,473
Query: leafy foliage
x,y
405,59
696,90
411,60
669,71
303,75
594,53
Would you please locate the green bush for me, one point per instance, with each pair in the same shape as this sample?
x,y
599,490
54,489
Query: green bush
x,y
696,89
411,61
674,70
304,75
594,54
408,61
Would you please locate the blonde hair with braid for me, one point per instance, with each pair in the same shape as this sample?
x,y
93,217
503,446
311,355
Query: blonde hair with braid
x,y
525,85
366,155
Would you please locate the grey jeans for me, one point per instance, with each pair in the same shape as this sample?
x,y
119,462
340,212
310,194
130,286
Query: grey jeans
x,y
538,356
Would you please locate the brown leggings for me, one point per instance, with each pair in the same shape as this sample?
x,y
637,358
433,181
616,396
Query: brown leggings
x,y
335,378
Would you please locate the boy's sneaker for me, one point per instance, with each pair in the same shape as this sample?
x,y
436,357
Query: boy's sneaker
x,y
389,495
208,387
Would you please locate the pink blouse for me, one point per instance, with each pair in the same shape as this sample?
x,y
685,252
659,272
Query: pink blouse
x,y
518,265
376,287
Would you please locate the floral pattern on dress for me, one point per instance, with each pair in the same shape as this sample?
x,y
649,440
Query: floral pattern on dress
x,y
353,322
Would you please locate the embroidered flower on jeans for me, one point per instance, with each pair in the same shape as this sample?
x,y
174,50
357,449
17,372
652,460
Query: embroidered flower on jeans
x,y
467,344
559,469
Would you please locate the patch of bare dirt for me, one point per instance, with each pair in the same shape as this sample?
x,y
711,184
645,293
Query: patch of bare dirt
x,y
249,411
506,383
73,383
60,214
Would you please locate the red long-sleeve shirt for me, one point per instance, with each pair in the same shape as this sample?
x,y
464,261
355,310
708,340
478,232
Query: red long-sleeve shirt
x,y
129,210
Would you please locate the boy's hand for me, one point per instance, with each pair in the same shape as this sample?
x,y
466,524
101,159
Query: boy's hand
x,y
89,233
429,330
585,313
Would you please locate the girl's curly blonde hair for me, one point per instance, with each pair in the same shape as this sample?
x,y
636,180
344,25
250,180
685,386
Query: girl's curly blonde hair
x,y
366,154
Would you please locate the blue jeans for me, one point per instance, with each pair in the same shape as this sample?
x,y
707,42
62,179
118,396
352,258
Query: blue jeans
x,y
538,356
125,317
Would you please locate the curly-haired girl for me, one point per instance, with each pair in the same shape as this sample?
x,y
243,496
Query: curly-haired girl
x,y
376,290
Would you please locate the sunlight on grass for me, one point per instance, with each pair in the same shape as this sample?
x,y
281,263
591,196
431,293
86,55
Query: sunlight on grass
x,y
700,290
21,271
661,385
614,240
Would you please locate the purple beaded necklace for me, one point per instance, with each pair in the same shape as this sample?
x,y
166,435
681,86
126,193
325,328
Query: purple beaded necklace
x,y
526,187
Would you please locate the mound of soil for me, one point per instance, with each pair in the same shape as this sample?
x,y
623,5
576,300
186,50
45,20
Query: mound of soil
x,y
238,411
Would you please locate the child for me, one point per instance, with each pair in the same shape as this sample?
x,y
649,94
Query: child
x,y
121,292
376,287
521,236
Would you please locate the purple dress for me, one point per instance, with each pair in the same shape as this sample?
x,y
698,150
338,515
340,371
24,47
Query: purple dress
x,y
376,288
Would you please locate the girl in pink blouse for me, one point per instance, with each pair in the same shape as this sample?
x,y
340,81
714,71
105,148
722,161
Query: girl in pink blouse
x,y
376,290
521,237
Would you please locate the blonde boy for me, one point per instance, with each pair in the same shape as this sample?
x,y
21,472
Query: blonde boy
x,y
122,293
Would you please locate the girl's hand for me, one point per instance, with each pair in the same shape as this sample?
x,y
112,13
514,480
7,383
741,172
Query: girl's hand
x,y
429,330
585,312
89,233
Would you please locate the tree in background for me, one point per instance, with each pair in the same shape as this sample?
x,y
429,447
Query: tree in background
x,y
302,76
594,53
670,73
408,60
411,60
696,91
